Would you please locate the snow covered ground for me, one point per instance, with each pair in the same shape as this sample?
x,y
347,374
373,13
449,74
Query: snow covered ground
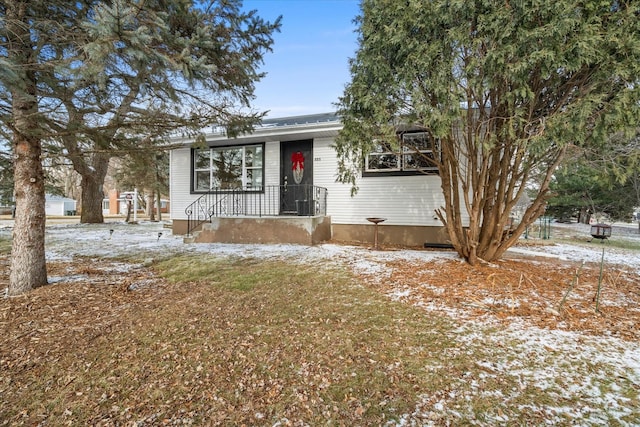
x,y
560,363
589,251
112,239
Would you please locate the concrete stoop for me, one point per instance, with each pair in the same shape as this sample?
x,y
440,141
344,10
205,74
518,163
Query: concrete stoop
x,y
304,230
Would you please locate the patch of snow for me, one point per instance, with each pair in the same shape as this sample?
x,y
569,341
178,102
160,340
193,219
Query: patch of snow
x,y
589,251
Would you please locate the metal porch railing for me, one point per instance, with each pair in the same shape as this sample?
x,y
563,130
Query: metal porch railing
x,y
273,200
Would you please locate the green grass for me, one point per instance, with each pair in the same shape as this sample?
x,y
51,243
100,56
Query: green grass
x,y
5,246
608,243
568,236
233,342
619,243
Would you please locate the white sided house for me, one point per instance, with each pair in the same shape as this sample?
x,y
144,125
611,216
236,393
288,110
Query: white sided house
x,y
278,185
59,206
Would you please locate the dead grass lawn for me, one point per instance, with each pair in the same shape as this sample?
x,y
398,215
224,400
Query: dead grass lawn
x,y
276,343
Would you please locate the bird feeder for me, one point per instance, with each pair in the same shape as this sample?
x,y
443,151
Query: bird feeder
x,y
601,231
376,221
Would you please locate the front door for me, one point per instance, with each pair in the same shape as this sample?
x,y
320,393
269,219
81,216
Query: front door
x,y
296,178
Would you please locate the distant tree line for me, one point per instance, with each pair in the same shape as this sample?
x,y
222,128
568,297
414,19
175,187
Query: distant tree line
x,y
598,183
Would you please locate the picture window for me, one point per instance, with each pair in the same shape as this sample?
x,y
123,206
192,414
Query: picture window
x,y
228,168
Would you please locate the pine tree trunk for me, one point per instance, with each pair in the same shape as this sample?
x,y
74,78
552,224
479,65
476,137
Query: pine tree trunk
x,y
151,206
28,265
159,205
92,192
92,197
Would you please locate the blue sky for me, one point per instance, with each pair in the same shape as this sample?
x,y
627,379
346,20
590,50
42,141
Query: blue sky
x,y
308,68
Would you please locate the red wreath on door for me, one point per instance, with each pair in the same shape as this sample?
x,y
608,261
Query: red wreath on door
x,y
297,166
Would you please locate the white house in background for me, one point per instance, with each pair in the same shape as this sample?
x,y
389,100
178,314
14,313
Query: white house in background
x,y
59,206
278,184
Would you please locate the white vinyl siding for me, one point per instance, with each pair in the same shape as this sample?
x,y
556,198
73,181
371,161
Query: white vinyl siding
x,y
272,163
180,174
403,200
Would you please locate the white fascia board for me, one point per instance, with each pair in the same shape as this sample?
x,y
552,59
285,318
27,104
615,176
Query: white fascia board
x,y
270,134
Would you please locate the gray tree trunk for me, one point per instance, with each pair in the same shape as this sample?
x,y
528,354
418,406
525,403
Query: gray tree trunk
x,y
159,204
151,206
28,266
92,191
92,196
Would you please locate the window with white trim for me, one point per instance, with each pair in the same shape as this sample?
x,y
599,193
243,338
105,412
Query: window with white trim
x,y
415,153
228,168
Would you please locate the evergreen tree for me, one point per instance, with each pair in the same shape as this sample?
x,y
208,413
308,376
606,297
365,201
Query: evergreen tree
x,y
155,66
598,182
94,75
503,87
